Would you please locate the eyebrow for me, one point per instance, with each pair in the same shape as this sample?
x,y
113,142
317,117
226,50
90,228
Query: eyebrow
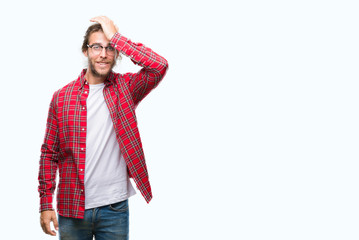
x,y
100,44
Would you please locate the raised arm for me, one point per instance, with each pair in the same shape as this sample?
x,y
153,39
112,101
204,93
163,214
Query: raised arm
x,y
154,66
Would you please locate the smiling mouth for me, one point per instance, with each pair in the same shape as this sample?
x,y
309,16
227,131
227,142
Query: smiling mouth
x,y
103,63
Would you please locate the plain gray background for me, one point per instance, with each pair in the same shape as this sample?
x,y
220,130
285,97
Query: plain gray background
x,y
253,133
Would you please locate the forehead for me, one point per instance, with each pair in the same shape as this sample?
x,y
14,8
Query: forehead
x,y
98,37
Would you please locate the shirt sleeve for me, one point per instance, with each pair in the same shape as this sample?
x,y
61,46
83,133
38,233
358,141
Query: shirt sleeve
x,y
154,67
49,160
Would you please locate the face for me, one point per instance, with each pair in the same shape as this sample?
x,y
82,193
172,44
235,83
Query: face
x,y
100,64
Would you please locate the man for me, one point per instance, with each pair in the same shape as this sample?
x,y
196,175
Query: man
x,y
93,140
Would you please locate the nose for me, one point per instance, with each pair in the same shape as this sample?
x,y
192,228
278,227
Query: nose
x,y
103,53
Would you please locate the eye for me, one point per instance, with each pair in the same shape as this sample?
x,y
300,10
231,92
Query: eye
x,y
110,48
96,47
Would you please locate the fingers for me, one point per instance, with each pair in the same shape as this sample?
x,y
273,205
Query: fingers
x,y
54,219
101,20
46,228
96,19
45,219
109,28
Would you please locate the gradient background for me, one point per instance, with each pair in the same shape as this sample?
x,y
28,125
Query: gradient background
x,y
253,133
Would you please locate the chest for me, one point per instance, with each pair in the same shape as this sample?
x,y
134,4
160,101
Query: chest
x,y
76,105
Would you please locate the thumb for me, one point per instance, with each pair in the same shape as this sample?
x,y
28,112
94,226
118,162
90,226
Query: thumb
x,y
54,219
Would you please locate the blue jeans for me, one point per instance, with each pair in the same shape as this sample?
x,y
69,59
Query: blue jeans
x,y
109,222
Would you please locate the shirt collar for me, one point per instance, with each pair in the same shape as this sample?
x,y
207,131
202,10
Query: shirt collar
x,y
82,80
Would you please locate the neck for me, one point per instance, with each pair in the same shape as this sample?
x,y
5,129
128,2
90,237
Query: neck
x,y
93,79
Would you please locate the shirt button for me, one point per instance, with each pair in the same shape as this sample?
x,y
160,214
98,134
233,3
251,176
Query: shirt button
x,y
82,190
82,149
81,170
83,129
86,92
83,108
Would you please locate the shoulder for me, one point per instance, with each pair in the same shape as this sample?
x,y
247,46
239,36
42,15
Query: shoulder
x,y
122,77
64,90
70,86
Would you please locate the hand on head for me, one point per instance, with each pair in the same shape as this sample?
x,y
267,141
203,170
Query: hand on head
x,y
109,28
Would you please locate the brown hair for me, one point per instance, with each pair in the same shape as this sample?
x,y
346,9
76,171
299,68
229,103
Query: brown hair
x,y
91,29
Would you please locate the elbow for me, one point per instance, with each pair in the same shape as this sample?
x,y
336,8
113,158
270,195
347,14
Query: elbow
x,y
165,66
165,63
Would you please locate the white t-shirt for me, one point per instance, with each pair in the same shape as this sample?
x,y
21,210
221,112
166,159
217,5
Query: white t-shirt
x,y
106,178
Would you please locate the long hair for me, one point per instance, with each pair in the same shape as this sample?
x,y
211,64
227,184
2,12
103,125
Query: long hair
x,y
91,29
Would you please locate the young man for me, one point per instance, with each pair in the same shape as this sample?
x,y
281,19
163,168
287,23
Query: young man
x,y
93,140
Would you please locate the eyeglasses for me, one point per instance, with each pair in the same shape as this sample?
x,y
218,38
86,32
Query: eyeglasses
x,y
97,49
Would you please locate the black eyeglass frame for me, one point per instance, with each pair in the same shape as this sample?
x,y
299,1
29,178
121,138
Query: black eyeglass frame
x,y
108,49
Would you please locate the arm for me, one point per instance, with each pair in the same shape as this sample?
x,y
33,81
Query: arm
x,y
153,70
154,66
48,169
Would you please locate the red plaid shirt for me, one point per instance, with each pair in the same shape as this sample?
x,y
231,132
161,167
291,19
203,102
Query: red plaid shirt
x,y
64,146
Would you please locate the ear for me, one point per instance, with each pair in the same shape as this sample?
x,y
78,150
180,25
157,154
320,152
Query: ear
x,y
85,53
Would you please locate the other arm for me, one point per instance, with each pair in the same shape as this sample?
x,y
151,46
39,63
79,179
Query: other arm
x,y
48,169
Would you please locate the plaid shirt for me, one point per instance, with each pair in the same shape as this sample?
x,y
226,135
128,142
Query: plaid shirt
x,y
64,146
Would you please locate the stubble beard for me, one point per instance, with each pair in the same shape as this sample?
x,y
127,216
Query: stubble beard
x,y
95,73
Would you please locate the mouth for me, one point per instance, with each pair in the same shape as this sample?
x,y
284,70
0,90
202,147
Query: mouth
x,y
103,64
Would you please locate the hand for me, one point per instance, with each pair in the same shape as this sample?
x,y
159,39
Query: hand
x,y
109,28
45,218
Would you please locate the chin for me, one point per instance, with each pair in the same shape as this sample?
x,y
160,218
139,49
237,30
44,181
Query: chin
x,y
102,72
98,71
